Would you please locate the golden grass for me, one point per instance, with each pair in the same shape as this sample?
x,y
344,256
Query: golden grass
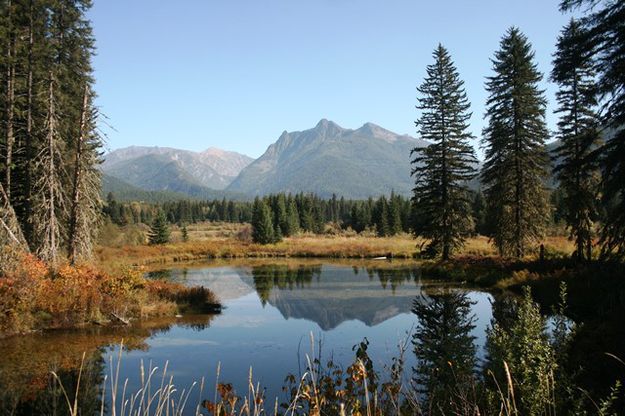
x,y
215,241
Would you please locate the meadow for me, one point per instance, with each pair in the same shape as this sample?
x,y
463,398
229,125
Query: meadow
x,y
127,246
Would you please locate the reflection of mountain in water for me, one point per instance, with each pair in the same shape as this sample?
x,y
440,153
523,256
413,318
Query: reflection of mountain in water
x,y
226,282
327,295
330,295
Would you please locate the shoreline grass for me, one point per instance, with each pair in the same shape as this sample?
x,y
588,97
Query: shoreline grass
x,y
402,246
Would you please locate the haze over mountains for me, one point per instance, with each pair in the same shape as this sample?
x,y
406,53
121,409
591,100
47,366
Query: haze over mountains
x,y
194,174
327,159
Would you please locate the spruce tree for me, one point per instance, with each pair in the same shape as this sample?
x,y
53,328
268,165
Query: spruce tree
x,y
577,175
604,39
185,233
515,169
443,168
262,225
394,214
382,217
479,214
280,215
159,230
292,217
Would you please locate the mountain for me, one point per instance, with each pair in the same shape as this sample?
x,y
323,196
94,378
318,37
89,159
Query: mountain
x,y
329,159
123,191
167,169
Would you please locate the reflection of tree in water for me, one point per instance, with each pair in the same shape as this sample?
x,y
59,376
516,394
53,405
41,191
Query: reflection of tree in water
x,y
395,277
444,348
27,386
48,397
266,277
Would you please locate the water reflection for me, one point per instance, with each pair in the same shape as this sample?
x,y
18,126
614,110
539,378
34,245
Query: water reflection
x,y
270,310
445,349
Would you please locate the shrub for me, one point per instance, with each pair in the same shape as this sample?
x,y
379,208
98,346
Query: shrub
x,y
34,296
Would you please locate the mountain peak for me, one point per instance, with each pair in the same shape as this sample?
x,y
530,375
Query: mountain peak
x,y
327,128
327,124
373,130
214,151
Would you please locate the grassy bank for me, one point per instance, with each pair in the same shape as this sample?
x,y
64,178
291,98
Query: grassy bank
x,y
216,241
34,296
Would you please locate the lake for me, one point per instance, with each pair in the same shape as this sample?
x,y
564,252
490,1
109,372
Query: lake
x,y
271,311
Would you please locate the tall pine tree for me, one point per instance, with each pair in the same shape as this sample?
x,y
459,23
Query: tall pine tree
x,y
577,175
515,168
442,169
605,40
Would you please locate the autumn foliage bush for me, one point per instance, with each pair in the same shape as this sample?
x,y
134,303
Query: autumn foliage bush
x,y
35,296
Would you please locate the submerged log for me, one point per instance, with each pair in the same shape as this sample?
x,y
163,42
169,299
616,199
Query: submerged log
x,y
120,319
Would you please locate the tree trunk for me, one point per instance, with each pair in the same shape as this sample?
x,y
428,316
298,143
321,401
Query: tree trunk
x,y
10,101
73,218
28,168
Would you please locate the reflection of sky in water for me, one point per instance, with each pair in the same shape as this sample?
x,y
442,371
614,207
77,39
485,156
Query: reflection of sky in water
x,y
269,337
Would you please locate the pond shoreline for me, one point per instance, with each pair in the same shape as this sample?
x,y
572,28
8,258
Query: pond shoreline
x,y
304,246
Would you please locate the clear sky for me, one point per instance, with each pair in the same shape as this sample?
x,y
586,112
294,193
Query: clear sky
x,y
234,74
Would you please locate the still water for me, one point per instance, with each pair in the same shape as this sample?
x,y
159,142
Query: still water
x,y
271,311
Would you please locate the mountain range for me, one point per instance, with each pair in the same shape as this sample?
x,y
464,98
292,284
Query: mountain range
x,y
174,171
327,159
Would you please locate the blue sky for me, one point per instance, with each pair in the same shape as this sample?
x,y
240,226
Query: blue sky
x,y
234,74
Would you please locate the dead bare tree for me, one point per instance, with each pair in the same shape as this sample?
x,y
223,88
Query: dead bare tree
x,y
49,202
12,240
86,203
10,102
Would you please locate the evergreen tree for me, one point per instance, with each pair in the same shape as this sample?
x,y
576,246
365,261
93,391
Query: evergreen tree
x,y
444,348
603,40
442,169
479,214
292,223
185,233
159,230
49,145
516,162
394,214
381,217
280,215
578,178
262,225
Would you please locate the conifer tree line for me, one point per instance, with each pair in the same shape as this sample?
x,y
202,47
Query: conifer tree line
x,y
49,143
288,214
588,162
